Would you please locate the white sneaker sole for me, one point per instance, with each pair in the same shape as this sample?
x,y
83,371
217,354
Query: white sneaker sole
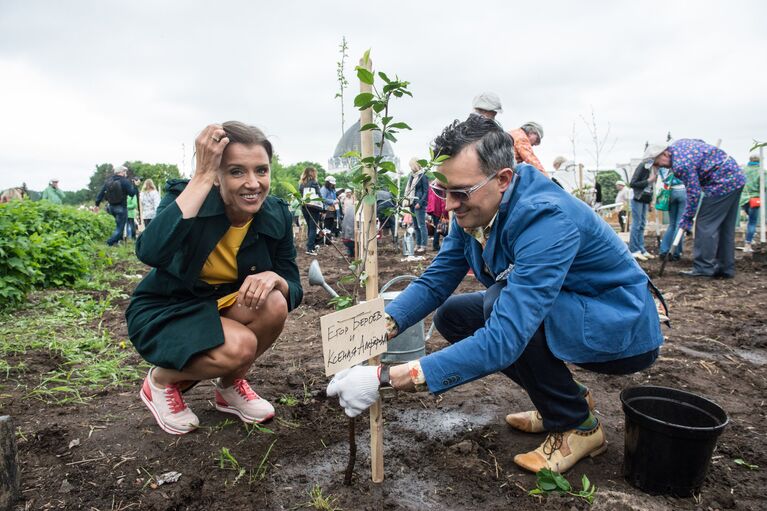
x,y
165,427
243,418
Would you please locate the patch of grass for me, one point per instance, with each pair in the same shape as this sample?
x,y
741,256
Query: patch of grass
x,y
287,400
67,328
227,461
260,471
320,501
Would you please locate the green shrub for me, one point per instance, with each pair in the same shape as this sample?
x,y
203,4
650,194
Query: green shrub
x,y
45,245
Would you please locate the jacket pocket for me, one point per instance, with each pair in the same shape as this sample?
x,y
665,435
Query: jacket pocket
x,y
610,318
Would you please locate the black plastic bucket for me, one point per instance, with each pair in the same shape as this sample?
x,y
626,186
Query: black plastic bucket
x,y
670,437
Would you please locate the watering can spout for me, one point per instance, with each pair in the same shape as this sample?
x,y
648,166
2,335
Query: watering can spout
x,y
316,278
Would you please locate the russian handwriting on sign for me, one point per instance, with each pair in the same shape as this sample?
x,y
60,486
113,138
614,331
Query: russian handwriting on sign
x,y
353,335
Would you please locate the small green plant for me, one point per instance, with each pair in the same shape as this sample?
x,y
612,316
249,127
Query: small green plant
x,y
260,472
744,463
320,501
287,400
227,461
549,481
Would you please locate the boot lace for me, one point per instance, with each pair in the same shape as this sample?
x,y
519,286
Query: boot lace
x,y
552,444
174,399
244,390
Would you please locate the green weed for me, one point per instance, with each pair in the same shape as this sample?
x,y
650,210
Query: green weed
x,y
227,461
549,481
320,501
287,400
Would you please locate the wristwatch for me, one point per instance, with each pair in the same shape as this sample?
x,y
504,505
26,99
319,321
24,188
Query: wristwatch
x,y
383,377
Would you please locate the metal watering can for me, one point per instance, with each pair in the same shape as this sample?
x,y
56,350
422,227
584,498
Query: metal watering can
x,y
408,345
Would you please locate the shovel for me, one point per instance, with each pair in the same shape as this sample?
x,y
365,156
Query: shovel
x,y
676,242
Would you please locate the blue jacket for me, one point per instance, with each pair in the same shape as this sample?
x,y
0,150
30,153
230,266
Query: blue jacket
x,y
567,269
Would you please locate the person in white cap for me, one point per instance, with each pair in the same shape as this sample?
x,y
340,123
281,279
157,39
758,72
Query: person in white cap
x,y
53,193
330,200
487,104
705,169
525,137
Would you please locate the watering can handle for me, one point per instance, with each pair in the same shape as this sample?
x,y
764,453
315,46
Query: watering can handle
x,y
400,278
395,280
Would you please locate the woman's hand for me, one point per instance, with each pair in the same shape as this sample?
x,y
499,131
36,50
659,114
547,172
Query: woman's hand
x,y
256,288
209,147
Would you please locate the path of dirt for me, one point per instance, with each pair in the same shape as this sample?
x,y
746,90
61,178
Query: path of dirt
x,y
450,452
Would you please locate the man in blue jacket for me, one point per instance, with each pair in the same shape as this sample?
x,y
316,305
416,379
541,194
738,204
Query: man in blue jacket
x,y
561,287
115,192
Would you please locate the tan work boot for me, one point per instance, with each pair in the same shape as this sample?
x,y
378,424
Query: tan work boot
x,y
532,422
560,451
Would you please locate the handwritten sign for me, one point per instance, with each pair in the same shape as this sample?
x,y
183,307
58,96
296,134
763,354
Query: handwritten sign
x,y
353,335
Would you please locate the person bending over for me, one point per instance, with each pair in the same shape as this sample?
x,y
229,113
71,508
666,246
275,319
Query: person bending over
x,y
561,287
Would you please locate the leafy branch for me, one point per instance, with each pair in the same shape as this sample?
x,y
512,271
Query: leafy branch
x,y
549,481
341,77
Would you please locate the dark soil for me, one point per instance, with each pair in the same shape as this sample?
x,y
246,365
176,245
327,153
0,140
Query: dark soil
x,y
449,452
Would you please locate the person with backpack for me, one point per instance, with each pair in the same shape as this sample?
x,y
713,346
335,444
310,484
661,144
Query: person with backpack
x,y
115,192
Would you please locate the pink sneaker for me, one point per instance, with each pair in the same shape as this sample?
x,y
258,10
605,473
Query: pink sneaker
x,y
168,407
243,402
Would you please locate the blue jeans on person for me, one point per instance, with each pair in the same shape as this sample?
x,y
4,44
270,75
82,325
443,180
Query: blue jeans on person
x,y
638,222
121,216
753,216
435,241
675,209
419,224
544,377
312,218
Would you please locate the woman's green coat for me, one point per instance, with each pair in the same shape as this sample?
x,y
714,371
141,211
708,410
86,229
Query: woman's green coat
x,y
173,314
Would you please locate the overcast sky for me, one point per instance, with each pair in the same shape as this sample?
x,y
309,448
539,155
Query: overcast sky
x,y
86,82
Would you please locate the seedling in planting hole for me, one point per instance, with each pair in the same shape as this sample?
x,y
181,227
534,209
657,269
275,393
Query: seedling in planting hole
x,y
287,400
744,463
549,481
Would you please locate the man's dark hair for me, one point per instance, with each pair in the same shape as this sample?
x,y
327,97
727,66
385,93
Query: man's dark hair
x,y
494,146
241,133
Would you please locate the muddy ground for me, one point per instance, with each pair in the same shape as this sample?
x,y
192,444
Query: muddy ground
x,y
441,453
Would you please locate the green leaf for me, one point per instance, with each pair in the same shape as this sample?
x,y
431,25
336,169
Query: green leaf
x,y
401,126
386,120
744,463
585,483
366,56
365,75
441,158
535,491
369,200
388,166
351,154
562,483
440,176
370,126
379,106
388,136
363,99
383,76
547,485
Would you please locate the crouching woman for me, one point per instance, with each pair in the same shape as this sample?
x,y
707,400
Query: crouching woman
x,y
223,279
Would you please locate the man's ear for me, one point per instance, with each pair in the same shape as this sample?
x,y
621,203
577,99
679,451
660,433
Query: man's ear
x,y
505,177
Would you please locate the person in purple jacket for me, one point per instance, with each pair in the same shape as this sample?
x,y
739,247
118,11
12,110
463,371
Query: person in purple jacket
x,y
561,287
705,170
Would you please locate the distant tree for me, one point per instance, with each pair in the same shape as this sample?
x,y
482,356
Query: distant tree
x,y
599,141
160,173
81,196
103,170
607,179
285,178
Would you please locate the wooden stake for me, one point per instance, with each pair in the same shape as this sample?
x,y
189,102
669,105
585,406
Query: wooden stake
x,y
371,269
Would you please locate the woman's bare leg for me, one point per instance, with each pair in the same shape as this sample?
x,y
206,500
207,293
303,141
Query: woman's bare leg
x,y
247,334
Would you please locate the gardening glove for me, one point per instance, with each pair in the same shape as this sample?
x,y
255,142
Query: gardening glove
x,y
356,388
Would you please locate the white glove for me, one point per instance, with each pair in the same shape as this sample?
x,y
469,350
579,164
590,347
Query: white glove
x,y
356,388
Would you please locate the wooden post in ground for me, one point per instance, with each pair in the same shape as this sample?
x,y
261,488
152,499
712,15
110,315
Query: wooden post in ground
x,y
370,250
9,465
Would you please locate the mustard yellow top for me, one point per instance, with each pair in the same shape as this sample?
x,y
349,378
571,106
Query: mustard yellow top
x,y
221,265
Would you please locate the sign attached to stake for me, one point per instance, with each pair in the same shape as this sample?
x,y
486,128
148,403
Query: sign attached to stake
x,y
353,335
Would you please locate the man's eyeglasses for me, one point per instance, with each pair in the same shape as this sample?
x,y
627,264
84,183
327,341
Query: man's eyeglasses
x,y
459,194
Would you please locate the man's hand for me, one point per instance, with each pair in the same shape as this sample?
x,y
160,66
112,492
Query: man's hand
x,y
356,388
